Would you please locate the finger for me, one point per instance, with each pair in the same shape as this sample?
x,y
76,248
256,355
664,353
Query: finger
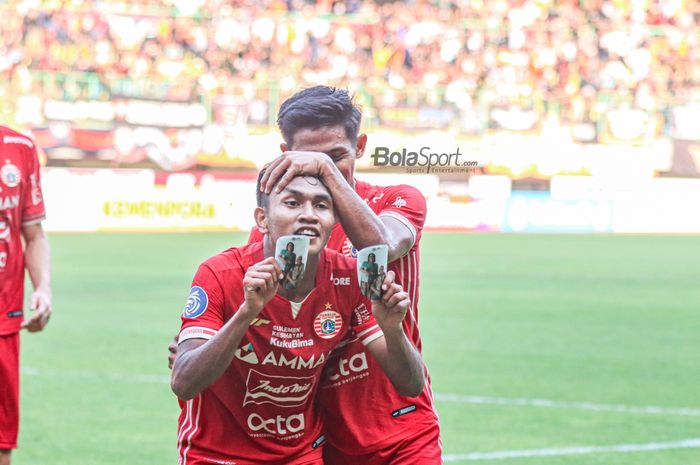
x,y
287,176
42,306
275,266
390,292
264,275
277,269
30,321
276,173
262,282
268,170
253,284
400,297
45,317
388,280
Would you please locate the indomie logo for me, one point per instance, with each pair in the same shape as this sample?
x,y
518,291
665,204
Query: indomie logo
x,y
283,391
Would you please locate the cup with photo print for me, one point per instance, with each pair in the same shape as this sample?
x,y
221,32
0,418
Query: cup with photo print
x,y
371,270
291,253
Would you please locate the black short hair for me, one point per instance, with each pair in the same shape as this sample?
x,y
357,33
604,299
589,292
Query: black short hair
x,y
317,107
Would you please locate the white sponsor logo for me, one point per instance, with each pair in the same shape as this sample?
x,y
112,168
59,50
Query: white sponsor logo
x,y
356,364
341,281
247,354
399,202
279,425
36,192
3,259
17,140
294,344
4,230
297,362
11,201
283,391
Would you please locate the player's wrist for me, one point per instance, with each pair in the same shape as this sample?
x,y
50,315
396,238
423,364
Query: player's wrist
x,y
391,330
331,175
248,311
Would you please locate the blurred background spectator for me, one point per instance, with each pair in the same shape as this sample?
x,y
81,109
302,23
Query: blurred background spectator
x,y
605,70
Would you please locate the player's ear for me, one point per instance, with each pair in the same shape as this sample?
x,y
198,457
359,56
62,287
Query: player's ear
x,y
361,144
261,220
284,147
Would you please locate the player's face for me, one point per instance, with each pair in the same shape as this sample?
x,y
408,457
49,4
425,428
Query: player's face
x,y
304,207
332,141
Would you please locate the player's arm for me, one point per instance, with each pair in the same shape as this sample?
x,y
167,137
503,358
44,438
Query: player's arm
x,y
38,263
360,223
200,362
399,359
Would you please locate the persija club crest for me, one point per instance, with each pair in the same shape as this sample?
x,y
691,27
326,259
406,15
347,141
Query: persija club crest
x,y
328,324
10,175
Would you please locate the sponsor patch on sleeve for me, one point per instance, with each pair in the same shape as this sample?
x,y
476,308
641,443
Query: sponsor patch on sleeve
x,y
195,332
197,303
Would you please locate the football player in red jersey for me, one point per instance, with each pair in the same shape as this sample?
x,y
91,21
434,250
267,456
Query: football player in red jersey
x,y
320,126
21,213
251,352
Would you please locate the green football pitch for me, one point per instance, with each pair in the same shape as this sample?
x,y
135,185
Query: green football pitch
x,y
542,349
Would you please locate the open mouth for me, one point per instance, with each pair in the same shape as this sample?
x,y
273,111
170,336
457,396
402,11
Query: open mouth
x,y
307,231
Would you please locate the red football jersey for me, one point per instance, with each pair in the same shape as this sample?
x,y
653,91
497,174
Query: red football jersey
x,y
262,409
348,380
21,203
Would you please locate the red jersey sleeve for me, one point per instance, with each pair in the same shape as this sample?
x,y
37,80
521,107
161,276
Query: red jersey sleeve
x,y
204,311
33,200
406,204
255,235
363,323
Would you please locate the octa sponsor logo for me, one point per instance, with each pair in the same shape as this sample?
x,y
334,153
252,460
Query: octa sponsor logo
x,y
278,425
354,364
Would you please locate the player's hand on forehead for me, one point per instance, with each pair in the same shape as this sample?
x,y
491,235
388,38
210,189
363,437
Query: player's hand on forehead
x,y
280,172
305,187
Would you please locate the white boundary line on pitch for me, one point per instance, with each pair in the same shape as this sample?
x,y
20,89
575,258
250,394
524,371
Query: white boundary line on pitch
x,y
479,400
558,452
96,376
546,403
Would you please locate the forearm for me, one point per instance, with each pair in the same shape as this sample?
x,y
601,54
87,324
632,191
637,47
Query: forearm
x,y
38,261
197,369
402,363
360,223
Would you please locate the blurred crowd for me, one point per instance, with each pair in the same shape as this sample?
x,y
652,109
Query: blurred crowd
x,y
568,56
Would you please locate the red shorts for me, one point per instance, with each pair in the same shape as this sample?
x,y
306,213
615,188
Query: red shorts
x,y
9,390
424,448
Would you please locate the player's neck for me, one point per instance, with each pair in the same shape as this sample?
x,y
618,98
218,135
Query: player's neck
x,y
306,285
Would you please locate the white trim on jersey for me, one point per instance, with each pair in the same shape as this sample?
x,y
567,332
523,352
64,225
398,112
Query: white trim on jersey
x,y
184,429
196,332
34,221
372,338
372,328
198,399
405,222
